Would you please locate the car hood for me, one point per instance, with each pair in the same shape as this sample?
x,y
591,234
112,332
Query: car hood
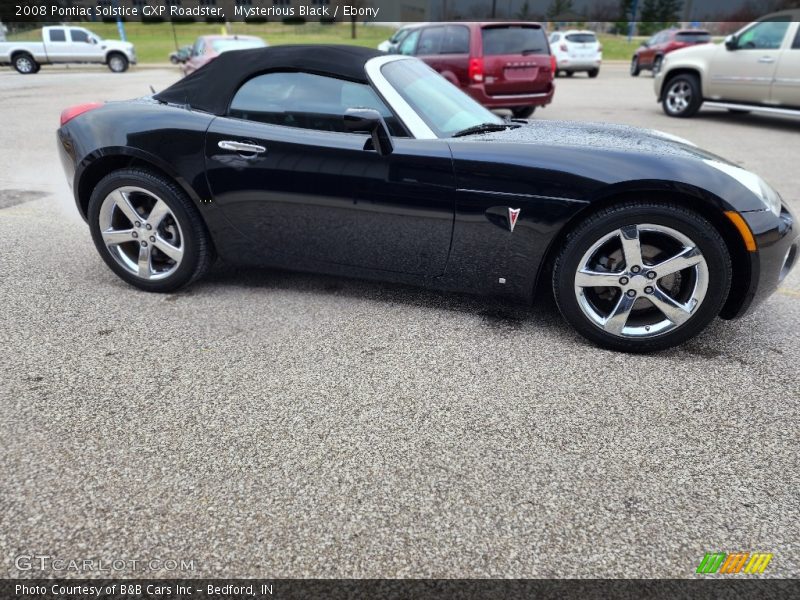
x,y
622,138
693,52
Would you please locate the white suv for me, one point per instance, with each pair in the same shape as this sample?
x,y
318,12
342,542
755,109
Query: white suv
x,y
576,51
757,68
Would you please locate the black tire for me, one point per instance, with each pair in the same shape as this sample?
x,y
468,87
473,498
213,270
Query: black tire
x,y
559,72
695,100
198,252
635,69
594,73
117,62
25,64
570,73
688,223
523,112
657,65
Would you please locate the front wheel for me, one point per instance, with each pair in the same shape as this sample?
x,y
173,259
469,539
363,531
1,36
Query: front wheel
x,y
148,231
642,277
25,64
523,112
682,97
118,63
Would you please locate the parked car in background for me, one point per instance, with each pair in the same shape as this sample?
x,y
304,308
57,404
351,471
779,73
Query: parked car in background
x,y
756,68
391,44
181,55
67,45
576,51
503,65
650,56
208,47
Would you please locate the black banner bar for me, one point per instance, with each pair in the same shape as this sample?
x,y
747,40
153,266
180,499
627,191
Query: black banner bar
x,y
390,11
398,589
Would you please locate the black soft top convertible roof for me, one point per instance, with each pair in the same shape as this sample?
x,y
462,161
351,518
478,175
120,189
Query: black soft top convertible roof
x,y
211,88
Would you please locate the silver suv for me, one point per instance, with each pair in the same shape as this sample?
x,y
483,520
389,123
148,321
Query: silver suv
x,y
757,68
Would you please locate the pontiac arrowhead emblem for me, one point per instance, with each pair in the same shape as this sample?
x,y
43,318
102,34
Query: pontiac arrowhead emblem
x,y
513,215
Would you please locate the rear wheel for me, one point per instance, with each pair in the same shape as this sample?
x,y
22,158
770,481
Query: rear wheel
x,y
523,112
148,231
25,64
682,97
117,62
657,65
570,73
594,73
635,70
641,277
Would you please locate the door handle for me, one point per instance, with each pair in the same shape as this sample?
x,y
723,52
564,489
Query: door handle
x,y
241,147
766,59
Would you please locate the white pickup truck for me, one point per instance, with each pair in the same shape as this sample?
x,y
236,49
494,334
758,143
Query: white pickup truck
x,y
67,45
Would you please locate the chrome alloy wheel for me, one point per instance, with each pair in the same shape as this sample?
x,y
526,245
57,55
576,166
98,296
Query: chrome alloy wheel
x,y
679,96
141,233
117,64
641,281
24,64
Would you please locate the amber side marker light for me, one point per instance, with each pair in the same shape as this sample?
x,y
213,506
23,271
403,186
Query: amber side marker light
x,y
744,230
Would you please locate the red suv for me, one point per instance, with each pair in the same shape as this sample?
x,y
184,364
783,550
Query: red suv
x,y
651,54
501,65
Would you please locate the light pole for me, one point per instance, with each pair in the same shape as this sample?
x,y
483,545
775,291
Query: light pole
x,y
632,18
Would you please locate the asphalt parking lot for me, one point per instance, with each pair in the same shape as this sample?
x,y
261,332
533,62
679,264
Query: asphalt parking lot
x,y
277,424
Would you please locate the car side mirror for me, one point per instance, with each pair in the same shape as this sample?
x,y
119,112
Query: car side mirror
x,y
731,43
369,120
91,41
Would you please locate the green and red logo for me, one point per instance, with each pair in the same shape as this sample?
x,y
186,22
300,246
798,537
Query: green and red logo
x,y
737,562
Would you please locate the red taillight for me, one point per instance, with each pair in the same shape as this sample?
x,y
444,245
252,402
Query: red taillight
x,y
73,111
563,47
476,70
552,66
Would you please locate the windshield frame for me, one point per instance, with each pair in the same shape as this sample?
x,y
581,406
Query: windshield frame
x,y
417,123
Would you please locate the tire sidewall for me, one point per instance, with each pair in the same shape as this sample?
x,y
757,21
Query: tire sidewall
x,y
168,194
117,56
30,59
700,231
693,106
635,66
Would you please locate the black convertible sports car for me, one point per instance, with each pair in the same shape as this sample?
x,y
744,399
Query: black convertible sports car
x,y
348,161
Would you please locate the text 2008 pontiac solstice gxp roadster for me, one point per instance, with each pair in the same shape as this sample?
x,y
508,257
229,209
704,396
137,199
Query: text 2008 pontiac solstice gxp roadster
x,y
348,161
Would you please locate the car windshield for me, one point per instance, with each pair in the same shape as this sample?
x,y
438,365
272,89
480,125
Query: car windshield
x,y
221,46
444,108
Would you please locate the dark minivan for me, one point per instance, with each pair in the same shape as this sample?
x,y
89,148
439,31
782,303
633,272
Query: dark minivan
x,y
500,64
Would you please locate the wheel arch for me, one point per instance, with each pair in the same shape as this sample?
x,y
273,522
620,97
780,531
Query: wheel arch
x,y
451,77
114,51
672,73
103,162
700,201
15,53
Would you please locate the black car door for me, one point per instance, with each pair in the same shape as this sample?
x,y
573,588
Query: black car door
x,y
289,178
